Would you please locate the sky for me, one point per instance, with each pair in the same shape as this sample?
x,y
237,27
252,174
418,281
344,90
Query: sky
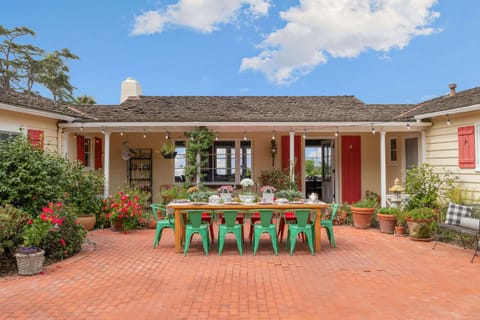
x,y
380,51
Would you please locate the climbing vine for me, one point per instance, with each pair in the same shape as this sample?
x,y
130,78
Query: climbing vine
x,y
199,144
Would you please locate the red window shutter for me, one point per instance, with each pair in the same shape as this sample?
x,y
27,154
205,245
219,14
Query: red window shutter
x,y
98,153
466,147
81,149
35,137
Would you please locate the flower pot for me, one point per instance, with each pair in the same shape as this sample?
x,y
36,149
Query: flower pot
x,y
420,230
30,263
399,231
387,222
87,221
151,224
362,217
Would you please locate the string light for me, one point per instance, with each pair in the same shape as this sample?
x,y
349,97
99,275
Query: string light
x,y
273,135
448,120
81,128
167,136
216,136
373,129
336,133
121,132
103,131
408,126
304,134
245,135
144,133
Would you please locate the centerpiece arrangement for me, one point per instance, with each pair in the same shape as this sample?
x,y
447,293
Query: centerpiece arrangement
x,y
225,193
199,194
247,195
268,194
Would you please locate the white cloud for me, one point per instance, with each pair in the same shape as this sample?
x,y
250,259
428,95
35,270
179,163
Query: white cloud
x,y
318,29
201,15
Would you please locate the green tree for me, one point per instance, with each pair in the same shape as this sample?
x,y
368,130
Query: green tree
x,y
85,100
15,58
54,75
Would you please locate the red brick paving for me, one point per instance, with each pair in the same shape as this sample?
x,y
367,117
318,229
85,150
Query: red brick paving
x,y
368,276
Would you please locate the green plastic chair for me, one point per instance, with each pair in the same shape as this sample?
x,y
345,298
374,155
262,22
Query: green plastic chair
x,y
195,225
230,226
328,225
265,226
302,225
164,220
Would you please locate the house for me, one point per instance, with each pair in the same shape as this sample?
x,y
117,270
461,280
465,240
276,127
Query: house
x,y
352,146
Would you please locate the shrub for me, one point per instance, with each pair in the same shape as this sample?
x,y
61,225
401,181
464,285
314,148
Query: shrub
x,y
12,221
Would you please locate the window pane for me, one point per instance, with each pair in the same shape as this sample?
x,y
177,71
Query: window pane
x,y
245,159
87,152
180,161
393,149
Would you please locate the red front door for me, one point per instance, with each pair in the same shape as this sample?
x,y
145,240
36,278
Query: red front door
x,y
351,169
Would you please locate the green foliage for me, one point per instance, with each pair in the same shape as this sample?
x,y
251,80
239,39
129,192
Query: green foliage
x,y
85,100
174,192
311,170
67,239
423,213
390,211
23,65
276,178
289,194
12,221
366,202
199,143
31,178
426,187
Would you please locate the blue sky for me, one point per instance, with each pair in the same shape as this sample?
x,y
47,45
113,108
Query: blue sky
x,y
381,51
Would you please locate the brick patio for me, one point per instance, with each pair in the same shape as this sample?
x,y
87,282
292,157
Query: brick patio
x,y
368,276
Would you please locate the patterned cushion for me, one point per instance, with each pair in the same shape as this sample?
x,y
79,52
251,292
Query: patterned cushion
x,y
455,213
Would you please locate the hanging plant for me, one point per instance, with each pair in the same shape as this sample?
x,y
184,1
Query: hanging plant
x,y
199,144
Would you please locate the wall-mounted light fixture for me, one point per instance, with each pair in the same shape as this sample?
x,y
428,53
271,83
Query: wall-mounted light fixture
x,y
273,150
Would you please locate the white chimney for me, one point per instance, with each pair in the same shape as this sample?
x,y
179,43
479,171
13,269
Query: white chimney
x,y
130,88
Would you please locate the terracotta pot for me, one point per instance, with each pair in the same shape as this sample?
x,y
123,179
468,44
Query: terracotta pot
x,y
387,222
151,224
420,230
362,217
117,225
87,221
399,230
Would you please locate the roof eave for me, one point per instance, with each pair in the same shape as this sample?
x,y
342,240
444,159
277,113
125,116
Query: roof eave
x,y
29,111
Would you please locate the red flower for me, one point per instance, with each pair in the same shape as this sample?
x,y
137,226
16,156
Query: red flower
x,y
63,242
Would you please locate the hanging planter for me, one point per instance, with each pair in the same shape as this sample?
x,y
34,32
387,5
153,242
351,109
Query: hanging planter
x,y
169,155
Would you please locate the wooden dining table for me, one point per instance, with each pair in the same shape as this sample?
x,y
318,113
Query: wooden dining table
x,y
246,209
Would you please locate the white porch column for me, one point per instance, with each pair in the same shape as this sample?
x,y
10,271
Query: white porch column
x,y
383,170
292,155
106,162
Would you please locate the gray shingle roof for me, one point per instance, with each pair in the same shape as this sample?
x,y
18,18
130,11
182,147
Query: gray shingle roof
x,y
461,99
244,109
36,102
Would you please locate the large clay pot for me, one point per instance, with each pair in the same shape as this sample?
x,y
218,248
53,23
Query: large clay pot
x,y
362,217
420,230
87,221
387,222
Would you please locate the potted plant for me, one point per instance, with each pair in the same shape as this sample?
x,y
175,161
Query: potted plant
x,y
85,197
400,227
173,192
199,143
387,219
30,256
125,211
362,212
168,150
290,194
420,223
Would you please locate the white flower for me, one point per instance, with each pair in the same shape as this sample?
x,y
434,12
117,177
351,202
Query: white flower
x,y
246,182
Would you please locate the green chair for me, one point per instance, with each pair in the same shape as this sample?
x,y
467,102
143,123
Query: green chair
x,y
265,226
230,226
164,220
302,225
328,225
195,225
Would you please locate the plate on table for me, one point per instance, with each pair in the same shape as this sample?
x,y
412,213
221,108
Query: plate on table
x,y
264,203
198,203
181,201
281,201
232,203
296,202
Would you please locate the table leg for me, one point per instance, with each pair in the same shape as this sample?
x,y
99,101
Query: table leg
x,y
318,229
178,231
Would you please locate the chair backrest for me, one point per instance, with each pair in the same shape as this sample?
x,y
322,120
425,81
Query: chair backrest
x,y
334,208
302,216
265,217
230,217
194,217
158,208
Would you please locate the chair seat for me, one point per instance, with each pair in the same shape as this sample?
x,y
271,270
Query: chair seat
x,y
301,226
229,224
265,226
